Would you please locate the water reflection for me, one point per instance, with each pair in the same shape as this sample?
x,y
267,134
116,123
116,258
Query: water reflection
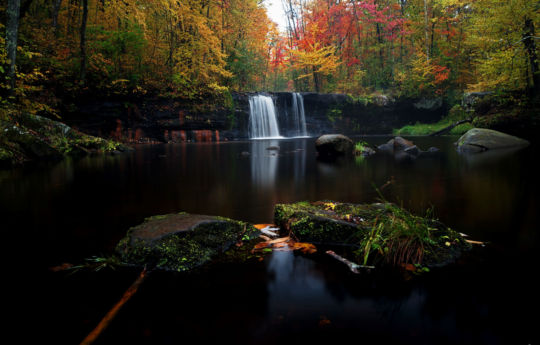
x,y
69,210
264,162
270,158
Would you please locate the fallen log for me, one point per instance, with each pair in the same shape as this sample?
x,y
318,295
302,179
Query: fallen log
x,y
449,128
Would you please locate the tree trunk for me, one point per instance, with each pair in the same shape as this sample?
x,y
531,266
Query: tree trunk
x,y
530,46
12,28
83,40
426,28
56,9
316,80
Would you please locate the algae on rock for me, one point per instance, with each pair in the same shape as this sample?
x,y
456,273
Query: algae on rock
x,y
381,232
181,241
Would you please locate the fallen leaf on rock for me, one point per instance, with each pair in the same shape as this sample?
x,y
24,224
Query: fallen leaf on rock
x,y
304,247
262,226
284,244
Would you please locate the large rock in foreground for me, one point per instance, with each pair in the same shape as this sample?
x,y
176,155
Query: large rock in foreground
x,y
181,241
481,139
383,233
332,145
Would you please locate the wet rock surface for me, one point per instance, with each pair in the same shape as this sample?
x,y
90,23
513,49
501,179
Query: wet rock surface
x,y
181,241
481,139
404,150
332,145
392,235
32,137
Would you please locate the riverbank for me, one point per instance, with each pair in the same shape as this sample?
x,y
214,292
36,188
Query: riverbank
x,y
513,115
29,137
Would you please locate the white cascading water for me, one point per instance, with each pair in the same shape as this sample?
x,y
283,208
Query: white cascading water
x,y
299,116
262,118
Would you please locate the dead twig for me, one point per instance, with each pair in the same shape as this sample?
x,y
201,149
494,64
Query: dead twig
x,y
107,319
355,268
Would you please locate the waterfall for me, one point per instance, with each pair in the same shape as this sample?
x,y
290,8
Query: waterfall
x,y
262,118
299,116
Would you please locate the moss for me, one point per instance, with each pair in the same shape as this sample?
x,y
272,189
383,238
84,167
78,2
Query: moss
x,y
383,232
457,113
427,129
334,114
34,137
183,250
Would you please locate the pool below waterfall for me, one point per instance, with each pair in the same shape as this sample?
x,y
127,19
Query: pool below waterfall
x,y
70,210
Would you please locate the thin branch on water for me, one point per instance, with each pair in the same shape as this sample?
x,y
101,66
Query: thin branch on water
x,y
107,319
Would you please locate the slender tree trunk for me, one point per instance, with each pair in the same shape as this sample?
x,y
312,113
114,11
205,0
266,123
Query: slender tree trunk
x,y
12,29
56,9
426,28
316,80
530,46
83,40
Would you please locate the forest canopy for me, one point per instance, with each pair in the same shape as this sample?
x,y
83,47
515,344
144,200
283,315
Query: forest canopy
x,y
193,48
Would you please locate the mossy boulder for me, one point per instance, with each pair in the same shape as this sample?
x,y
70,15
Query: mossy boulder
x,y
481,139
181,241
381,232
332,145
31,137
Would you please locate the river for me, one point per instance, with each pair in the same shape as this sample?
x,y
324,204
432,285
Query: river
x,y
70,210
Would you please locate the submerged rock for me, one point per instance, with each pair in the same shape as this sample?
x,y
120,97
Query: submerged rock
x,y
388,233
331,145
181,241
403,150
481,139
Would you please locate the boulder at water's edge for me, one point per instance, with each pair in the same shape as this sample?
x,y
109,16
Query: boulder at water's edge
x,y
331,145
481,139
393,234
181,241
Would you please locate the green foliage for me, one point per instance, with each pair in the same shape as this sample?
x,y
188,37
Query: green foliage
x,y
97,263
116,55
455,114
427,129
399,236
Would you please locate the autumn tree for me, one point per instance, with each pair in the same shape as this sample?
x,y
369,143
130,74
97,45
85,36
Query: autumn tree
x,y
501,39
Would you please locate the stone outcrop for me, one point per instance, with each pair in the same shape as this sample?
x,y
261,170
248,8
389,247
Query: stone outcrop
x,y
154,119
481,139
181,241
391,234
32,137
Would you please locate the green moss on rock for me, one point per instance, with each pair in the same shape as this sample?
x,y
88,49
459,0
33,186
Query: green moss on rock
x,y
382,232
30,137
181,241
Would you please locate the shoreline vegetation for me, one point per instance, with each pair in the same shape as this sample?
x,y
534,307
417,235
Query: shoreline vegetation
x,y
55,54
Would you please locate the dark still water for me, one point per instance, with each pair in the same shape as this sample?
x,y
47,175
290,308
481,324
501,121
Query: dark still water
x,y
70,210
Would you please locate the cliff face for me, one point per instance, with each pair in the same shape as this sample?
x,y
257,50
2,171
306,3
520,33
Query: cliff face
x,y
170,120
